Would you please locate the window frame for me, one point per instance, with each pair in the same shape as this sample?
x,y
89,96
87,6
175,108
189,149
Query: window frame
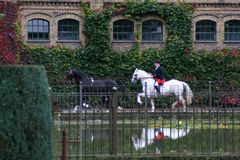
x,y
155,26
127,32
68,31
207,35
41,27
232,33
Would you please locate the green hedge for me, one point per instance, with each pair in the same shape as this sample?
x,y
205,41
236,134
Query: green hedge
x,y
197,68
25,113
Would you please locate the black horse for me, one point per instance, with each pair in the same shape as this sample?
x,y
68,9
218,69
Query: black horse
x,y
90,86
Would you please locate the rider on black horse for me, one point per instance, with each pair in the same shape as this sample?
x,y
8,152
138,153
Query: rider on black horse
x,y
159,77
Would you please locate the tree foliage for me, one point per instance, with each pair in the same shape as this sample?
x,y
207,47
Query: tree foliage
x,y
25,113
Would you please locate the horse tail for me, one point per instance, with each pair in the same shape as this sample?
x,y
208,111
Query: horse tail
x,y
189,93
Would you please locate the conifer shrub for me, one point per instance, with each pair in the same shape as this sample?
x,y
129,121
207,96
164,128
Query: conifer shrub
x,y
25,113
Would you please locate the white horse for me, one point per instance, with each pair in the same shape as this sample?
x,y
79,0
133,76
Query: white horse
x,y
152,135
170,87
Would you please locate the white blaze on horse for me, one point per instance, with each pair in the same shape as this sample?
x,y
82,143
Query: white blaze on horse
x,y
170,87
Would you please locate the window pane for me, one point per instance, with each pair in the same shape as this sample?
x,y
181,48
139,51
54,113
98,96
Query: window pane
x,y
35,22
232,30
40,22
29,35
37,29
46,36
68,29
45,29
40,35
45,23
30,23
29,28
123,30
35,36
40,29
152,30
206,30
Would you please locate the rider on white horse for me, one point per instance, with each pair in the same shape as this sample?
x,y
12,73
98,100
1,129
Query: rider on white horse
x,y
170,87
159,77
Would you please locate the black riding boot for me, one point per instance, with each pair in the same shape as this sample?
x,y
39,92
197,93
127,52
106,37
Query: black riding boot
x,y
157,88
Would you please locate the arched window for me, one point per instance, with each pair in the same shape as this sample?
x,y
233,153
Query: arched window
x,y
123,30
68,29
152,30
206,30
232,30
38,29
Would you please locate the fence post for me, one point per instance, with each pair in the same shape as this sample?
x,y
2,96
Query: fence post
x,y
210,116
113,125
146,119
64,145
80,118
210,93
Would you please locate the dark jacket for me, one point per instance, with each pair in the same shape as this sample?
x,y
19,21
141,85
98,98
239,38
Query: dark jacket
x,y
159,73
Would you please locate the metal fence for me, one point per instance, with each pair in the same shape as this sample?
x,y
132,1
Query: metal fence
x,y
103,124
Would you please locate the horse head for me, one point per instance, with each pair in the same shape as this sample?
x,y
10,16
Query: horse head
x,y
74,74
135,76
139,74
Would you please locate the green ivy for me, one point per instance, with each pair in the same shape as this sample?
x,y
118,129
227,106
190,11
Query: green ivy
x,y
178,19
177,16
96,29
195,68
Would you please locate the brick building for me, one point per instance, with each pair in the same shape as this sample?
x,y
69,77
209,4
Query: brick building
x,y
215,24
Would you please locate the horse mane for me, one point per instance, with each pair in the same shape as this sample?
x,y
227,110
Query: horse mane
x,y
149,74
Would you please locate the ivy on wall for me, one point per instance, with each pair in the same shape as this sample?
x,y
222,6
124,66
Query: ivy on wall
x,y
178,19
9,46
96,29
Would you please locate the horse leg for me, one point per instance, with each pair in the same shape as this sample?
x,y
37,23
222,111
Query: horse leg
x,y
183,102
153,104
105,101
139,97
179,101
174,104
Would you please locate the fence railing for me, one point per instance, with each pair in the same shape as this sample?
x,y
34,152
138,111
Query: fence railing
x,y
114,124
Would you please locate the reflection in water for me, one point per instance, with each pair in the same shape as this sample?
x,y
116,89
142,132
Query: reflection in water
x,y
154,135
